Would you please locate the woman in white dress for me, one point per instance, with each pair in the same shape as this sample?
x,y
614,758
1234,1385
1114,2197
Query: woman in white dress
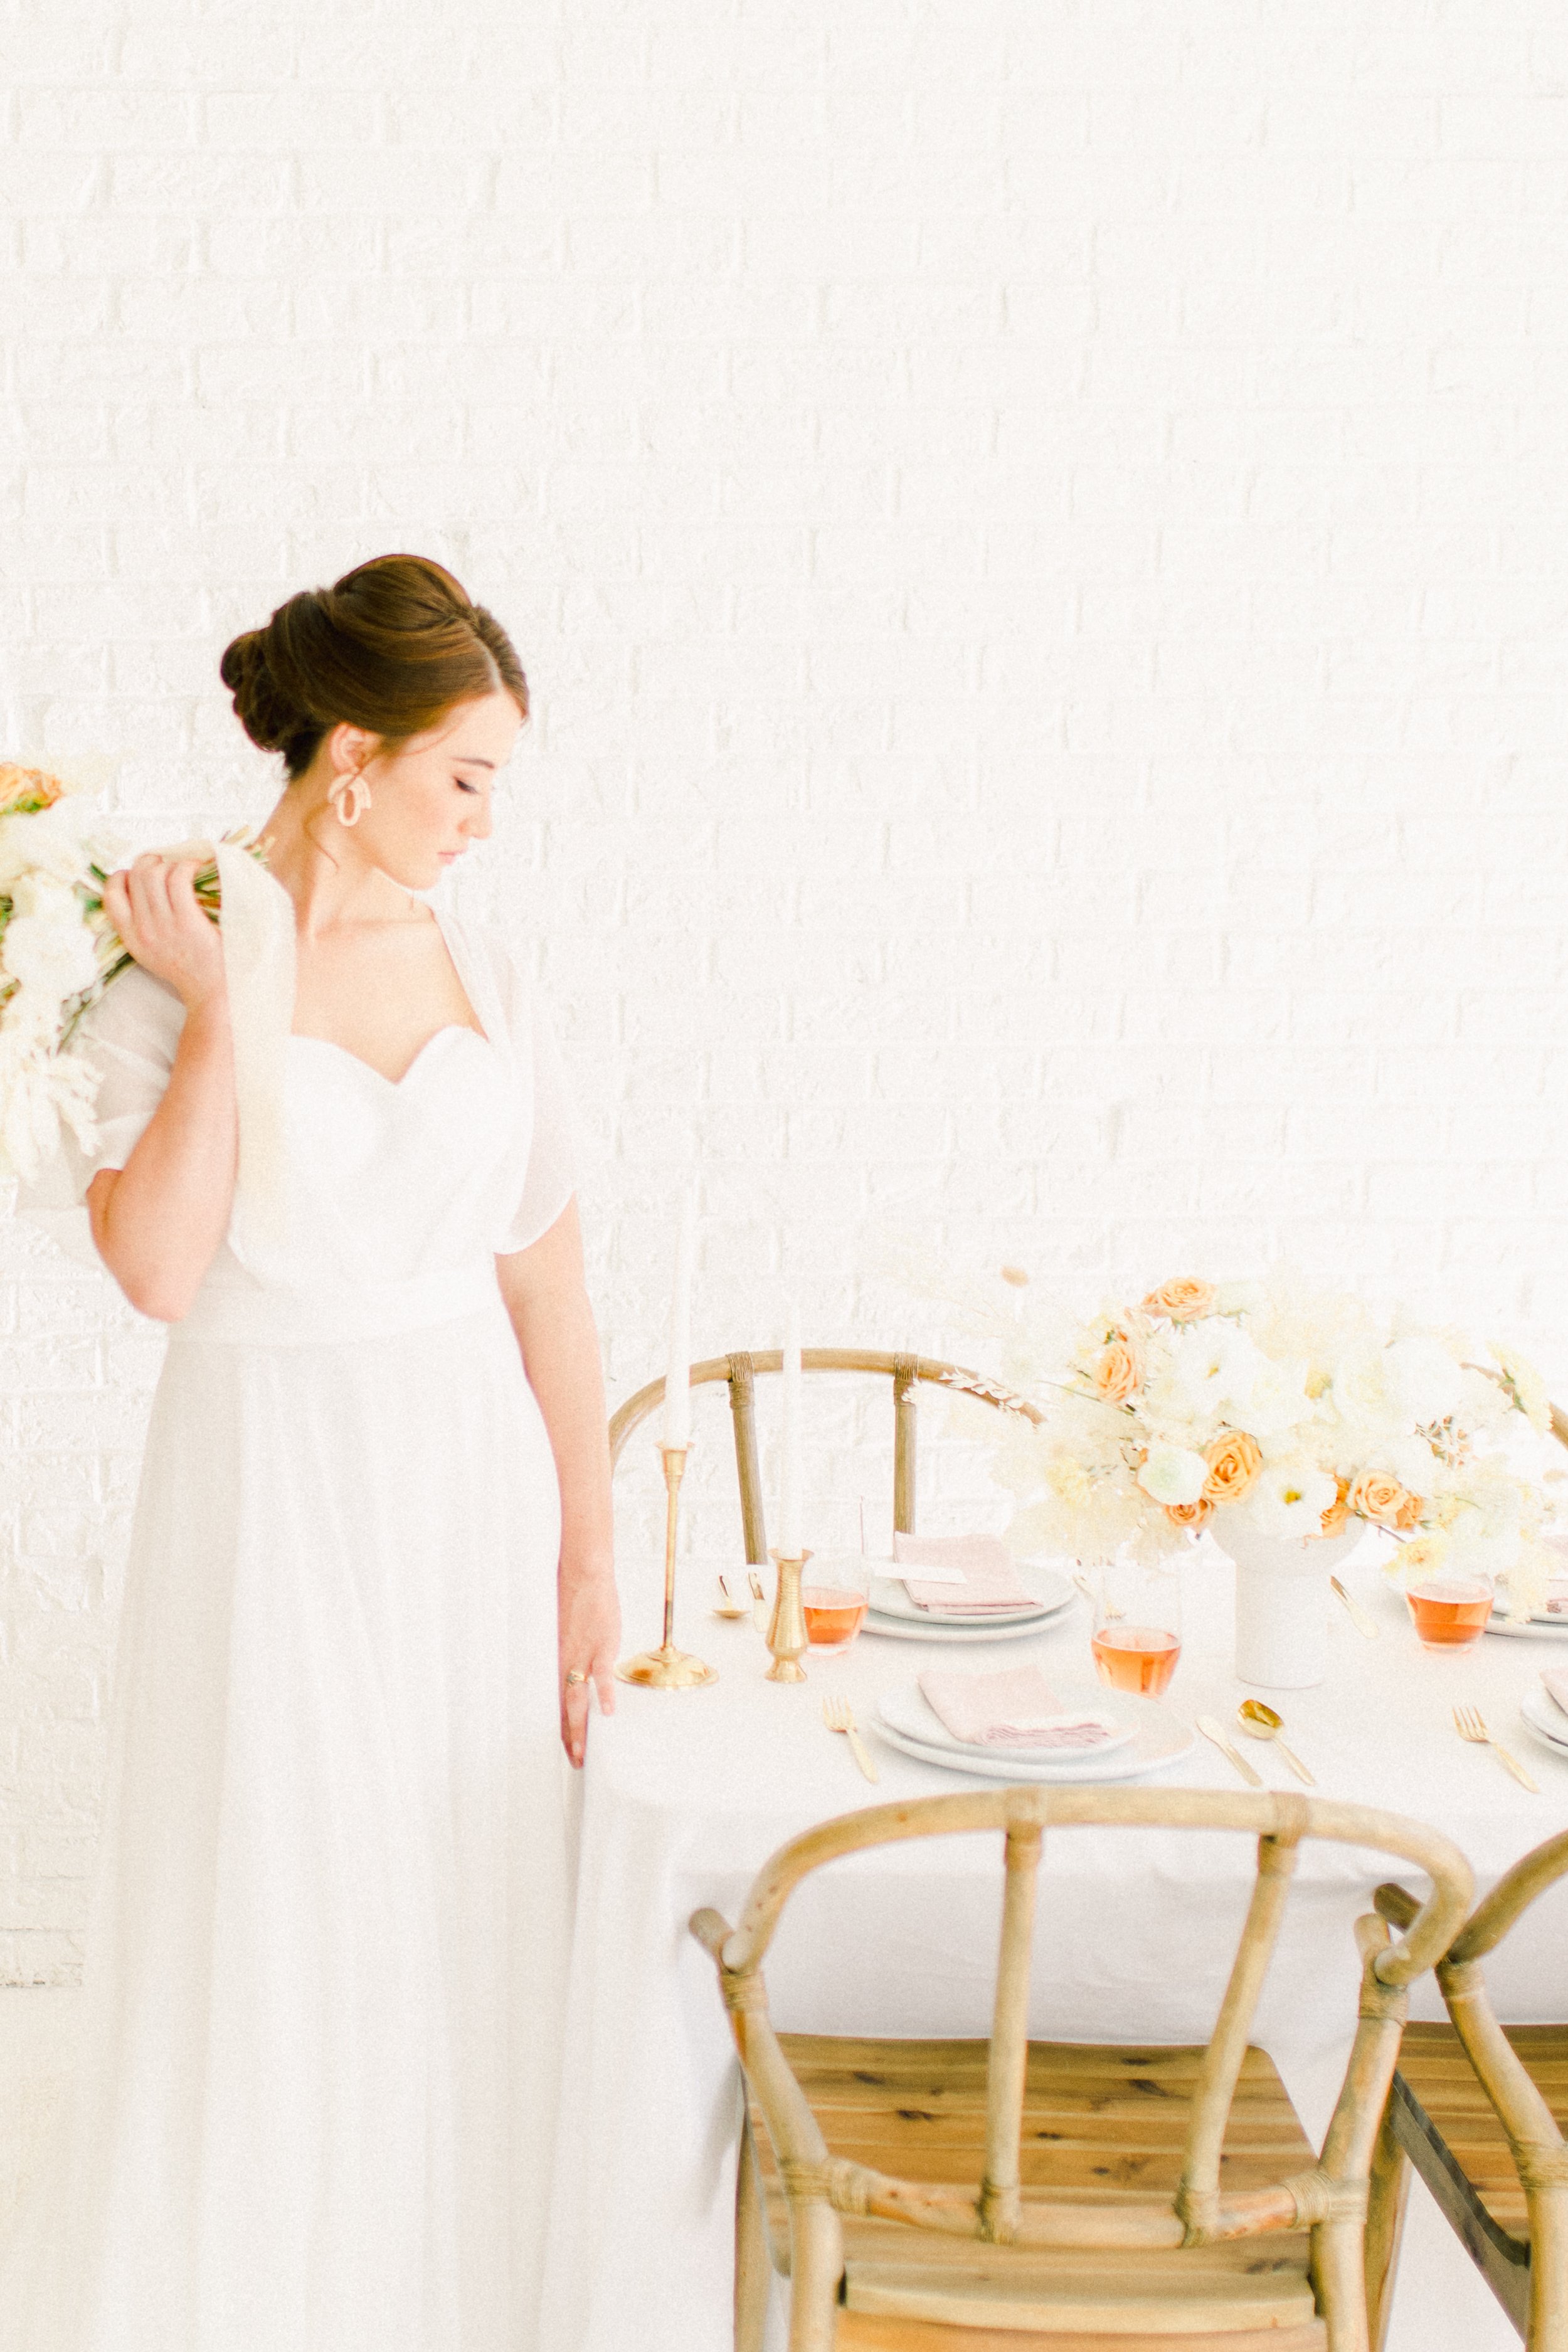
x,y
371,1582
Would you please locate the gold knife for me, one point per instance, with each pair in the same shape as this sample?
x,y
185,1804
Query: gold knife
x,y
1357,1614
1212,1730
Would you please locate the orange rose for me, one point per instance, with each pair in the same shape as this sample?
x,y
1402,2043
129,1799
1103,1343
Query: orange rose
x,y
1116,1371
1189,1514
1234,1460
26,788
1337,1511
1182,1301
1377,1496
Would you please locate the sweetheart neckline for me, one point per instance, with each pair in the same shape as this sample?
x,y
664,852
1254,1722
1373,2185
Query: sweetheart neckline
x,y
449,1029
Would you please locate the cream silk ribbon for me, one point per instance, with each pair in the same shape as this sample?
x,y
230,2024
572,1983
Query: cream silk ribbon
x,y
258,929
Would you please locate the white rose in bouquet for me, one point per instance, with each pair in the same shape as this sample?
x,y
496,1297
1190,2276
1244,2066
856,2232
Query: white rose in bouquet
x,y
1300,1416
1173,1475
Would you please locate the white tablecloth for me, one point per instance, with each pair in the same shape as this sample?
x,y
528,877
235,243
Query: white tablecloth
x,y
686,1794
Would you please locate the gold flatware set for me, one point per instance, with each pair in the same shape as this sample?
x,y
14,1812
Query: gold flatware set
x,y
1357,1616
1260,1722
837,1715
1254,1717
1211,1728
1469,1723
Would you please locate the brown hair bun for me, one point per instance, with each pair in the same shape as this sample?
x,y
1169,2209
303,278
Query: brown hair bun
x,y
392,647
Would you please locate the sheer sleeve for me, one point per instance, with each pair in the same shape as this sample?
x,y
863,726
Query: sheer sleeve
x,y
545,1181
130,1037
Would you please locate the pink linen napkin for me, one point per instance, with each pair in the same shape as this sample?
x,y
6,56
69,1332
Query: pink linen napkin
x,y
1014,1708
991,1586
1556,1683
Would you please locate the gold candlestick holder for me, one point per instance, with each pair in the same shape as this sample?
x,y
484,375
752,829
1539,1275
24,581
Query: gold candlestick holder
x,y
668,1668
786,1629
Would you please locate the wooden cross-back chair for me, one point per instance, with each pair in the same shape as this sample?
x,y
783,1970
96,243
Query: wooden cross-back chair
x,y
1479,2110
906,1372
966,2197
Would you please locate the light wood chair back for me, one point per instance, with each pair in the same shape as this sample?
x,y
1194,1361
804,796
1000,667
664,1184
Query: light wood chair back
x,y
1330,2200
1527,2270
741,1371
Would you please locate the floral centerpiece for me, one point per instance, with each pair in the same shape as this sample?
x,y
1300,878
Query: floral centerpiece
x,y
59,952
1278,1416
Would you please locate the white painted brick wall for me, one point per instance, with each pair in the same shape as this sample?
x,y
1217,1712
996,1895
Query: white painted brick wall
x,y
1037,531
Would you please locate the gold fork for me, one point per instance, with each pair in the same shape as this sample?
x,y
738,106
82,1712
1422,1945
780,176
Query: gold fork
x,y
837,1716
1469,1724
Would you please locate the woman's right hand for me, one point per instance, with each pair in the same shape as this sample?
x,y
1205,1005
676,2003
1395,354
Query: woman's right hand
x,y
156,913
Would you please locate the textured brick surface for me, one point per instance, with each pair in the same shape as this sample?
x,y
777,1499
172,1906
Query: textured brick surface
x,y
1037,533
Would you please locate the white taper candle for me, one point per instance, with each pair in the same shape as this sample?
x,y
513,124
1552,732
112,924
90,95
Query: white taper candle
x,y
789,1446
678,1378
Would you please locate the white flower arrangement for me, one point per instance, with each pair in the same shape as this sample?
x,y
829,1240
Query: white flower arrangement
x,y
59,952
1302,1414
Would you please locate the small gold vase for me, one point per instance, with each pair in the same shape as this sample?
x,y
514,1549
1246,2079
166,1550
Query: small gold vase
x,y
786,1629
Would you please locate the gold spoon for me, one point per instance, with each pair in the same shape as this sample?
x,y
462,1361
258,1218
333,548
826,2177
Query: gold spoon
x,y
1260,1722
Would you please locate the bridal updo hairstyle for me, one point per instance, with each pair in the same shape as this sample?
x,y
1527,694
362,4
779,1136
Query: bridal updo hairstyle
x,y
391,647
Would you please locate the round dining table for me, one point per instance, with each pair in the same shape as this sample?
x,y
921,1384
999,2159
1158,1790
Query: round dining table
x,y
686,1794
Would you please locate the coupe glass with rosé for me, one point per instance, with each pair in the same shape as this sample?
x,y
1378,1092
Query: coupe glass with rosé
x,y
1448,1612
834,1595
1137,1636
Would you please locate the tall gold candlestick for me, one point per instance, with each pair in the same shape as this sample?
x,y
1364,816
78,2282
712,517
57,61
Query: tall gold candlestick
x,y
786,1631
668,1668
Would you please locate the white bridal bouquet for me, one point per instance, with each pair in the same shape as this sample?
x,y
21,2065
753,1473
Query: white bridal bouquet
x,y
59,952
1300,1413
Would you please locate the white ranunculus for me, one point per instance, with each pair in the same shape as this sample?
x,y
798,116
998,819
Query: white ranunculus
x,y
1289,1499
48,949
53,841
1422,1379
1172,1474
1276,1401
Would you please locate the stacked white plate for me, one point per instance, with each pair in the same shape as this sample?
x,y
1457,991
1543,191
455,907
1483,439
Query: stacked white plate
x,y
1148,1736
892,1612
1550,1625
1546,1719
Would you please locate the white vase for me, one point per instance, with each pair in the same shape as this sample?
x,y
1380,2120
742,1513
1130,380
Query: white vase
x,y
1281,1600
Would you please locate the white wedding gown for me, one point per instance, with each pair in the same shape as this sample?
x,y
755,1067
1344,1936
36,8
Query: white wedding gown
x,y
327,1951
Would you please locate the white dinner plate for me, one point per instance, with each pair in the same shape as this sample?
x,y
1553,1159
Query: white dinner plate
x,y
1533,1629
1546,1719
945,1631
1052,1593
889,1597
907,1709
1161,1738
